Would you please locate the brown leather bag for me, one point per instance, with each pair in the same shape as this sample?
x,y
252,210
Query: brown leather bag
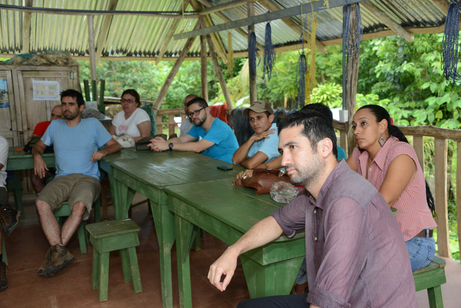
x,y
262,180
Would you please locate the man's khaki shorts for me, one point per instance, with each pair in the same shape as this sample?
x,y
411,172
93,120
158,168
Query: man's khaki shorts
x,y
72,188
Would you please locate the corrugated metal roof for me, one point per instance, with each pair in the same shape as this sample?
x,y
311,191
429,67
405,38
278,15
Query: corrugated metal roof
x,y
144,36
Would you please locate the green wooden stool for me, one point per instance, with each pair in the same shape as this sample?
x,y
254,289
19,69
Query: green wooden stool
x,y
15,185
431,278
65,211
108,236
4,257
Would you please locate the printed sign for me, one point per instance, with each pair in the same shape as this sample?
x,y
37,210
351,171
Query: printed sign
x,y
46,90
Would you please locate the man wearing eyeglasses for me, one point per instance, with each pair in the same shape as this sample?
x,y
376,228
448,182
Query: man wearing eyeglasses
x,y
209,136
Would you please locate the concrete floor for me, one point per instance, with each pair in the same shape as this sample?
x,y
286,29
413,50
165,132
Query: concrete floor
x,y
71,287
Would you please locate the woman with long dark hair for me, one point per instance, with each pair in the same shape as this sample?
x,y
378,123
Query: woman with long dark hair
x,y
386,159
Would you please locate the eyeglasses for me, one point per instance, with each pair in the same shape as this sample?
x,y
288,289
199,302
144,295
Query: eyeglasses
x,y
128,101
195,113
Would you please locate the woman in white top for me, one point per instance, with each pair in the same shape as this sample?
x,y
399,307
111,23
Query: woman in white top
x,y
132,120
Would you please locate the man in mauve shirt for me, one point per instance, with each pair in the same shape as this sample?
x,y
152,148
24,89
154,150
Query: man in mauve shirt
x,y
355,252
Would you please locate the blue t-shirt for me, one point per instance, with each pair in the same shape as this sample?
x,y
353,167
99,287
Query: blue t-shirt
x,y
225,143
268,146
341,153
74,146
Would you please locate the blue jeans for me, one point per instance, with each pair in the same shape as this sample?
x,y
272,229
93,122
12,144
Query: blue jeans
x,y
421,251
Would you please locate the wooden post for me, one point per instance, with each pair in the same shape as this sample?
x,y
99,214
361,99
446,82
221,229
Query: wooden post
x,y
440,174
203,64
418,145
458,191
251,28
91,47
104,31
26,29
218,71
174,70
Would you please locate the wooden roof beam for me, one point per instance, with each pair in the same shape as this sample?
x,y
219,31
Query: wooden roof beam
x,y
39,10
26,29
226,19
225,6
169,35
271,6
316,6
219,47
398,29
104,31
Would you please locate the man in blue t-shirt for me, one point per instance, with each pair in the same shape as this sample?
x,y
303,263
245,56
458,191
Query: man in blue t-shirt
x,y
209,135
76,142
262,147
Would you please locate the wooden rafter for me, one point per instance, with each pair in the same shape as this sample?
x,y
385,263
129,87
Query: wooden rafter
x,y
91,48
316,6
225,6
219,47
169,35
104,31
226,19
381,16
54,11
271,6
26,29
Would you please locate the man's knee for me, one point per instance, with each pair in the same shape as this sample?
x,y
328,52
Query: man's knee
x,y
42,206
79,209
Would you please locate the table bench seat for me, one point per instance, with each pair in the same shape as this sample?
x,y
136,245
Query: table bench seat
x,y
431,278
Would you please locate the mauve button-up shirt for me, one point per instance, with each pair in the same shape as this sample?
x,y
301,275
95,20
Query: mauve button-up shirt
x,y
355,252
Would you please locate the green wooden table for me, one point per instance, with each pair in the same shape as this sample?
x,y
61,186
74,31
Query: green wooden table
x,y
149,174
227,212
20,160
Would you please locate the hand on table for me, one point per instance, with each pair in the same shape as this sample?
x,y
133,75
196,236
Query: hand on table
x,y
97,156
245,174
158,144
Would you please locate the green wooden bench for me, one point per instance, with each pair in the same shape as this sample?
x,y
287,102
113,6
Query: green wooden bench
x,y
108,236
431,278
15,185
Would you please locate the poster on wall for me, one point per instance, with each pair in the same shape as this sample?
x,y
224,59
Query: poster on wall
x,y
46,90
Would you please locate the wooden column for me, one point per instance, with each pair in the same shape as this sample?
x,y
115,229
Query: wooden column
x,y
218,71
458,191
440,174
251,28
104,31
203,65
174,70
91,48
26,29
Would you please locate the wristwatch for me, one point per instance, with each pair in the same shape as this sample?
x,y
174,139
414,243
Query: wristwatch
x,y
170,146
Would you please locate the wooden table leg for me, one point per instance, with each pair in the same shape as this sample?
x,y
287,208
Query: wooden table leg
x,y
272,279
184,239
164,227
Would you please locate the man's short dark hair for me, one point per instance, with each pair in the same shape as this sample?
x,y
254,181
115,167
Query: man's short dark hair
x,y
198,100
316,127
74,94
322,109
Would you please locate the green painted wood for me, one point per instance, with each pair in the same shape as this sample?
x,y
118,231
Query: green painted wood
x,y
149,174
103,276
227,214
15,185
184,237
431,278
135,277
95,274
19,160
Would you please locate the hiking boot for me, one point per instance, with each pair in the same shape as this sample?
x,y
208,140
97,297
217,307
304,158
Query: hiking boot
x,y
3,281
49,255
9,218
59,260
